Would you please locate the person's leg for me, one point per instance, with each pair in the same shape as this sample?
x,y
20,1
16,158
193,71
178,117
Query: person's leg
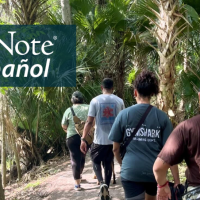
x,y
151,191
149,197
113,171
133,190
108,164
96,159
82,162
98,171
98,154
73,144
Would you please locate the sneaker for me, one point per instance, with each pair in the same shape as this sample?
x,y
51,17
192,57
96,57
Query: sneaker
x,y
104,193
77,187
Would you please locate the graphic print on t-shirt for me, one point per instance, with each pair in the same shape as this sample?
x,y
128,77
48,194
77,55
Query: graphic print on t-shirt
x,y
107,113
144,134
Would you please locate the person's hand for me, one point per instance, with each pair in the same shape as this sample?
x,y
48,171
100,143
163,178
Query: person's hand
x,y
176,183
164,193
83,147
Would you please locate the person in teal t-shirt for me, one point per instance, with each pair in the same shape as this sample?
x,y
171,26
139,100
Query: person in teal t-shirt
x,y
137,175
73,139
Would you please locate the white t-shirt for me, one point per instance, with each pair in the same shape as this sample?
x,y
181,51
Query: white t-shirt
x,y
104,108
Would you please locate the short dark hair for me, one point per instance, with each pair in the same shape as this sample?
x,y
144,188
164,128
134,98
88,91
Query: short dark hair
x,y
107,83
77,97
146,84
75,100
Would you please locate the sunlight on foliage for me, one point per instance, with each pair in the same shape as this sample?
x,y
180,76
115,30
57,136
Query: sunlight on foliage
x,y
32,185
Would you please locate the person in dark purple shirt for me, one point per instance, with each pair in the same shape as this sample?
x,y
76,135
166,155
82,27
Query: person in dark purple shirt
x,y
182,144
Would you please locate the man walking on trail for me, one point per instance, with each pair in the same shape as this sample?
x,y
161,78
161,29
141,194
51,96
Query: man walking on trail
x,y
182,144
103,109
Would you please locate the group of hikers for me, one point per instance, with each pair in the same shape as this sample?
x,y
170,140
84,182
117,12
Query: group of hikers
x,y
153,147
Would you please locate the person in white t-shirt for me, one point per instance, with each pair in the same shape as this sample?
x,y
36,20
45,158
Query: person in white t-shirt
x,y
103,109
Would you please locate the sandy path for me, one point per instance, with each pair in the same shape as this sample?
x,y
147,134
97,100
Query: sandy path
x,y
60,186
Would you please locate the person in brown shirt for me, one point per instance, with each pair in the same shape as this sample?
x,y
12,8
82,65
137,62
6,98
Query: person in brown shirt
x,y
182,144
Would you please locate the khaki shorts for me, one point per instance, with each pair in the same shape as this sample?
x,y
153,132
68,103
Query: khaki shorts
x,y
193,193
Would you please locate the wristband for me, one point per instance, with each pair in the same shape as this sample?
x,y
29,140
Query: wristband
x,y
161,186
84,140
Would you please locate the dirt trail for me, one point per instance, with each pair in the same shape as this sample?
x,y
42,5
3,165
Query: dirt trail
x,y
60,186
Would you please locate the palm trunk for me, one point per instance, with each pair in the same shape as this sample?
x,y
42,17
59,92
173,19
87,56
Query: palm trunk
x,y
3,150
29,12
2,197
66,12
16,157
120,76
37,128
120,65
166,34
12,140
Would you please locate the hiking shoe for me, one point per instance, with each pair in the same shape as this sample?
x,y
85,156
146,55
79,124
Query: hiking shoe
x,y
77,187
104,193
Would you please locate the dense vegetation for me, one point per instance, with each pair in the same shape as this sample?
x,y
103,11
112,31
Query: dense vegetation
x,y
117,39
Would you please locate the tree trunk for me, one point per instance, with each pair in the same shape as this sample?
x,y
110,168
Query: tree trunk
x,y
120,76
13,140
120,65
16,157
166,34
3,150
66,12
37,128
2,197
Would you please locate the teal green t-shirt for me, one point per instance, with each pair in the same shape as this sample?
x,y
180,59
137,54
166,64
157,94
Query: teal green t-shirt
x,y
143,150
81,111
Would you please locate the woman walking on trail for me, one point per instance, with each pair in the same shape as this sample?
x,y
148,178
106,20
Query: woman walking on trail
x,y
137,175
73,139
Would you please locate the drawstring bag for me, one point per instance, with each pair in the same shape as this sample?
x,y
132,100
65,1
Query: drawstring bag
x,y
176,192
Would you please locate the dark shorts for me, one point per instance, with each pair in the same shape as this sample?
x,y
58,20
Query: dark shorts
x,y
101,153
133,189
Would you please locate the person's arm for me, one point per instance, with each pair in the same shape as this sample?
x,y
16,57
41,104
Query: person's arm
x,y
123,106
116,135
175,173
116,151
87,127
171,154
160,172
64,127
64,123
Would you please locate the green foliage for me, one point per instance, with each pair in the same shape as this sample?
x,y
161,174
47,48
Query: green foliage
x,y
105,36
3,90
193,3
131,76
32,185
192,13
188,75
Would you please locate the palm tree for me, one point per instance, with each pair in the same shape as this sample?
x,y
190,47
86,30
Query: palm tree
x,y
3,150
105,26
29,12
166,32
66,12
168,23
2,196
